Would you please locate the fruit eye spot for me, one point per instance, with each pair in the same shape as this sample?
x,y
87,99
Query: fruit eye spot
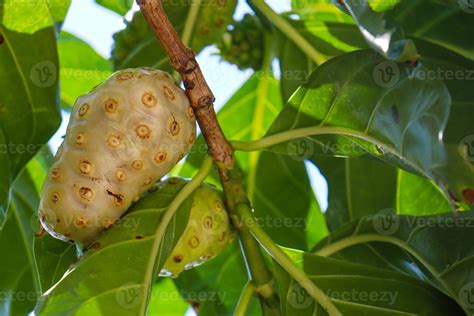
x,y
193,242
137,164
208,222
84,109
173,180
86,193
95,245
120,175
190,112
110,105
81,222
107,222
85,166
192,138
143,131
125,75
55,175
174,128
55,197
222,236
178,258
218,206
160,157
168,93
114,140
148,99
119,199
80,138
148,181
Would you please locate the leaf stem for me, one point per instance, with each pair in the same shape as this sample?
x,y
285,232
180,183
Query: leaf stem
x,y
350,241
245,298
289,135
190,22
185,192
246,219
285,27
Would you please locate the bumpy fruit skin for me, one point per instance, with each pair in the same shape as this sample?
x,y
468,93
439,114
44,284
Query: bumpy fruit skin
x,y
122,137
243,43
208,231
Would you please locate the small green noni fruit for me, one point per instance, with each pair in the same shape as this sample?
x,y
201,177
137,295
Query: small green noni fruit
x,y
208,231
122,137
243,44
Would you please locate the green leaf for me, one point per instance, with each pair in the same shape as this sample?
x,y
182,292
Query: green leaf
x,y
277,186
383,5
82,68
119,6
136,45
20,282
359,289
215,286
382,34
430,248
328,30
166,299
452,28
29,71
116,273
360,187
390,32
398,121
53,257
457,73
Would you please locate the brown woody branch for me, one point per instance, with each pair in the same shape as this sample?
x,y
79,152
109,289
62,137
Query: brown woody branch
x,y
202,99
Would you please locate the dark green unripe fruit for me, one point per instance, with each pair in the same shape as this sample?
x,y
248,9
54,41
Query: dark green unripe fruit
x,y
207,233
243,43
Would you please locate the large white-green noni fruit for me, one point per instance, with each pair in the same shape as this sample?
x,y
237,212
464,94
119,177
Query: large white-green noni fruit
x,y
122,137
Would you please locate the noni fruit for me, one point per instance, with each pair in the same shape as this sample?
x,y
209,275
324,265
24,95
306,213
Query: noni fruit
x,y
208,231
243,44
122,137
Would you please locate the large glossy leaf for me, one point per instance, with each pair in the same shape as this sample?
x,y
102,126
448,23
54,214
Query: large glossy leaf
x,y
53,257
277,185
389,32
452,28
82,68
328,30
360,187
119,6
20,281
399,120
430,248
28,83
457,74
166,299
116,273
358,289
136,45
